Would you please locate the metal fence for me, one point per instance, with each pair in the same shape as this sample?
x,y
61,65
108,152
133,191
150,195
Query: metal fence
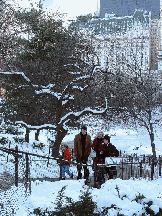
x,y
130,166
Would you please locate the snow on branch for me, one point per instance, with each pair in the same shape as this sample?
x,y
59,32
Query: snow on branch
x,y
48,91
81,78
17,73
75,65
80,88
77,115
48,86
74,73
44,126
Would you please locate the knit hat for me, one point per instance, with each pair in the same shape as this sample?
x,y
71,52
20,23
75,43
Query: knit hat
x,y
84,127
107,137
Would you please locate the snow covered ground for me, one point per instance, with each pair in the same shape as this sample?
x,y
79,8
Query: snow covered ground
x,y
123,194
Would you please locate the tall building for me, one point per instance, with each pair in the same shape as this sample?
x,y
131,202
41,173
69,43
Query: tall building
x,y
154,43
127,7
120,42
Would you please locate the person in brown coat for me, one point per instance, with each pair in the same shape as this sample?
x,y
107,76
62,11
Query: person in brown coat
x,y
82,149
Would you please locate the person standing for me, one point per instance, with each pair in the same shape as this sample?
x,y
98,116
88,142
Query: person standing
x,y
109,150
82,149
97,147
66,156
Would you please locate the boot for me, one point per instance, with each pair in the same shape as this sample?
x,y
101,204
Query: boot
x,y
79,176
71,176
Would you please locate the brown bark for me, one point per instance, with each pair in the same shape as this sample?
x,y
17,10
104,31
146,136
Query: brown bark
x,y
61,133
27,135
37,135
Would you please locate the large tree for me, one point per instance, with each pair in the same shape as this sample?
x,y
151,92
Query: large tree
x,y
56,70
8,34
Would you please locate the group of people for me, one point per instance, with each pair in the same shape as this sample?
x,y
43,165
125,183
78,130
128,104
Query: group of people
x,y
82,149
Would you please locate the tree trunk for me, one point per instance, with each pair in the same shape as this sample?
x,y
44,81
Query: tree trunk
x,y
37,135
61,133
152,141
153,150
27,135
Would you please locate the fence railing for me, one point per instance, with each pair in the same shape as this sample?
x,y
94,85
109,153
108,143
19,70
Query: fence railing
x,y
129,166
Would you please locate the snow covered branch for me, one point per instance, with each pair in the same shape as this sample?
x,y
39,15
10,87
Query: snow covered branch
x,y
18,73
80,78
44,126
77,115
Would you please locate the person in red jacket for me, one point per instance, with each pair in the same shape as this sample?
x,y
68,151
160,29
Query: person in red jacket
x,y
66,156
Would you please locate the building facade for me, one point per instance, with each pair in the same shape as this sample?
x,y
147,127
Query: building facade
x,y
127,7
120,40
155,40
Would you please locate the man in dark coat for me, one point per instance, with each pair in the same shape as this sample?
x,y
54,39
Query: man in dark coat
x,y
82,149
109,150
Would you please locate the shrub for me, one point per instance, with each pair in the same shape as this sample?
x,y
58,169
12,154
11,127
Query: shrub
x,y
39,145
139,198
18,140
85,206
12,130
3,140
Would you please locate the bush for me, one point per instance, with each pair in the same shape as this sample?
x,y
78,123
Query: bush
x,y
12,130
18,140
3,140
38,144
85,206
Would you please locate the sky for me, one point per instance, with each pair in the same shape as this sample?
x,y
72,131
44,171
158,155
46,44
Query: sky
x,y
70,8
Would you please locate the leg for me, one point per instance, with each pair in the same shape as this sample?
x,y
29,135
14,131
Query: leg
x,y
67,170
79,167
113,171
63,171
86,171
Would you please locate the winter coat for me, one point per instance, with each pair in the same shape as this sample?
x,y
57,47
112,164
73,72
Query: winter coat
x,y
109,150
97,147
66,156
78,146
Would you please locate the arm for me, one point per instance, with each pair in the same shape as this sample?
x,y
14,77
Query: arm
x,y
89,146
114,151
75,146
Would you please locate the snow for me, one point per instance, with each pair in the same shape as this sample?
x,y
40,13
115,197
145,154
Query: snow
x,y
121,193
48,91
19,73
85,110
36,127
44,194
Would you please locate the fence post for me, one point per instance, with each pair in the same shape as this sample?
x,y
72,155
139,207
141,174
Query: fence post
x,y
159,165
9,148
122,168
95,174
144,158
131,166
16,166
141,168
152,168
72,152
27,170
60,168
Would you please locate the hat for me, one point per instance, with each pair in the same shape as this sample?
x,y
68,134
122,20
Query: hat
x,y
107,137
84,127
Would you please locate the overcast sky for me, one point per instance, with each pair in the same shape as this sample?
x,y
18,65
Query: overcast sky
x,y
71,8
